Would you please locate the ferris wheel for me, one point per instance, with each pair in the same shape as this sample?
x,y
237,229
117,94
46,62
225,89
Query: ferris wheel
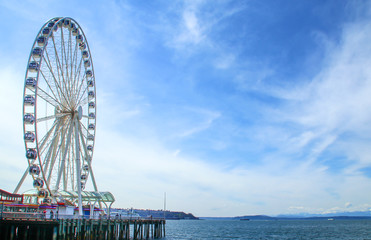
x,y
59,110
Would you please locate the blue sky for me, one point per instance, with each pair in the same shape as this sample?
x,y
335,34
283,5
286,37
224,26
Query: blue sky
x,y
230,107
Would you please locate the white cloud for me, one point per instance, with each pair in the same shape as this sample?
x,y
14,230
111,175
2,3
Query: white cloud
x,y
196,21
192,33
225,61
335,104
203,121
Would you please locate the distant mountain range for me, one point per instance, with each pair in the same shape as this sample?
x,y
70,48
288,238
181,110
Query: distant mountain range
x,y
348,214
307,216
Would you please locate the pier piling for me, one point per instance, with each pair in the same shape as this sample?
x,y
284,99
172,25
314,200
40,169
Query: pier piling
x,y
81,229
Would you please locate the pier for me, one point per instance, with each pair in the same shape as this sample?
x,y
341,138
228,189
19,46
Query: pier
x,y
81,229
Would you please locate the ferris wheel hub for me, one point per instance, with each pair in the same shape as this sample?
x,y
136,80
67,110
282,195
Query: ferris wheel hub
x,y
79,111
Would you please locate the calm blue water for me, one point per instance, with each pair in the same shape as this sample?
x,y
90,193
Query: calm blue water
x,y
279,229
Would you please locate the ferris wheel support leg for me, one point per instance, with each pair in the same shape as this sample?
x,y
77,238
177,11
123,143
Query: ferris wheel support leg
x,y
94,183
88,161
78,167
90,167
64,157
21,181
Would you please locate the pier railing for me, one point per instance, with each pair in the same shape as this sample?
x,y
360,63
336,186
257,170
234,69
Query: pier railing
x,y
37,215
21,215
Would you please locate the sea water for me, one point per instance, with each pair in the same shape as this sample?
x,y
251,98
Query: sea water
x,y
273,229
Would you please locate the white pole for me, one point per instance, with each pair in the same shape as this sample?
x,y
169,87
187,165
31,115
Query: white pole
x,y
164,204
78,170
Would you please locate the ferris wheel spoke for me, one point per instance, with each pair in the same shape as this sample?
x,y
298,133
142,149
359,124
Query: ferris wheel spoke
x,y
51,154
71,63
78,82
46,164
47,96
83,126
62,164
59,66
87,159
56,74
58,144
65,63
55,116
67,171
56,81
74,67
68,63
50,164
61,60
45,138
83,141
67,174
74,52
78,65
46,79
49,158
60,72
83,100
44,95
83,134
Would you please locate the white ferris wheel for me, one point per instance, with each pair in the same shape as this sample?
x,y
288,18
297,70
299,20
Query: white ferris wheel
x,y
59,111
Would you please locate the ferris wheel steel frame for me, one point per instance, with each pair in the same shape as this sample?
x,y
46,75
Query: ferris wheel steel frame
x,y
59,111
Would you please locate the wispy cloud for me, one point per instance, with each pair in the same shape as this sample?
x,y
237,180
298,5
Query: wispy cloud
x,y
338,102
327,109
202,122
192,32
196,22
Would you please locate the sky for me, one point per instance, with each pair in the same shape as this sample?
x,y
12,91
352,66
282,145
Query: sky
x,y
229,107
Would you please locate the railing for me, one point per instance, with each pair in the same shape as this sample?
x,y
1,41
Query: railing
x,y
21,215
28,215
37,215
120,217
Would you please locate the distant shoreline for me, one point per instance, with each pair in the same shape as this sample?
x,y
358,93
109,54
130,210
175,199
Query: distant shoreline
x,y
266,218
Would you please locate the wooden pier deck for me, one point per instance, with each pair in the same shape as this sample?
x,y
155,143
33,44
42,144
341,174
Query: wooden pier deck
x,y
81,229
